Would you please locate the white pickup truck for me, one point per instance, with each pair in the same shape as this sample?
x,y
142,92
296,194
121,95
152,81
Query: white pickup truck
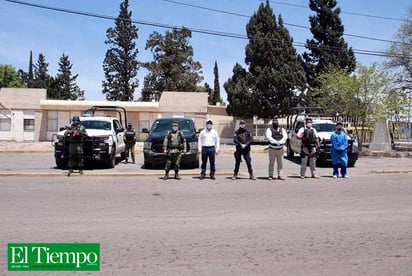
x,y
325,126
103,143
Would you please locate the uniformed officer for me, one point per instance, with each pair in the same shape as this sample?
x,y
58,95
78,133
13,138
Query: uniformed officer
x,y
74,134
130,141
310,143
174,145
243,139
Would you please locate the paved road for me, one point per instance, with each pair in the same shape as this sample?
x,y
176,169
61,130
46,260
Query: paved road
x,y
146,226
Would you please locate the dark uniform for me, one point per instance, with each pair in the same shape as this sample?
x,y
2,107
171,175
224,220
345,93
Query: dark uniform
x,y
173,146
243,138
74,135
130,142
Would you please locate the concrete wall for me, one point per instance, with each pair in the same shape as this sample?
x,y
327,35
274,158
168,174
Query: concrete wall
x,y
17,105
50,115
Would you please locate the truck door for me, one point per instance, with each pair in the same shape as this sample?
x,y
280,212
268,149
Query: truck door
x,y
119,135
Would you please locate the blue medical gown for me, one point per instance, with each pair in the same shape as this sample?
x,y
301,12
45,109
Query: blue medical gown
x,y
339,143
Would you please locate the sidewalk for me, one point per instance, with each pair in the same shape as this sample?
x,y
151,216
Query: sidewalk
x,y
36,159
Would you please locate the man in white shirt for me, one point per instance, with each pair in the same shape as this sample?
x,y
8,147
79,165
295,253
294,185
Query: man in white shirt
x,y
208,146
277,137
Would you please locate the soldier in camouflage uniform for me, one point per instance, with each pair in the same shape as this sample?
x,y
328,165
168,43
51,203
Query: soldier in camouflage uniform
x,y
74,135
174,145
130,141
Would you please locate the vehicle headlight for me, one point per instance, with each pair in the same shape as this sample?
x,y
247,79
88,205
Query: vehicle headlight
x,y
193,145
105,139
147,145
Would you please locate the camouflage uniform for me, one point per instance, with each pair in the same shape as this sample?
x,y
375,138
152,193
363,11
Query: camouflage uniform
x,y
74,134
173,145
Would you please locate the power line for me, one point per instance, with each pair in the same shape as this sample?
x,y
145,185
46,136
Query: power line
x,y
287,24
202,31
343,12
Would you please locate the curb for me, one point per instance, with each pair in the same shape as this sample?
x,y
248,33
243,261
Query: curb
x,y
160,174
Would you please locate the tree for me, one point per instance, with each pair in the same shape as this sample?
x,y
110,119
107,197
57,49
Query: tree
x,y
400,56
120,65
327,48
274,65
363,96
9,77
64,86
239,94
173,67
215,98
27,78
41,76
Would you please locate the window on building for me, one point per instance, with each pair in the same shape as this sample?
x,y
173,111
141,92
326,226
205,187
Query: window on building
x,y
52,119
28,124
143,124
5,124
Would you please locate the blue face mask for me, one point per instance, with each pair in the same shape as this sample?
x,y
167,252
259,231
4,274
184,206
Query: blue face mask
x,y
76,123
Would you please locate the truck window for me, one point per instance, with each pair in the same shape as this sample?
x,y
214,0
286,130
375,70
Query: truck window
x,y
298,126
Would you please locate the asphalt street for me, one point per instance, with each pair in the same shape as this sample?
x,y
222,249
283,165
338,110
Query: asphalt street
x,y
147,226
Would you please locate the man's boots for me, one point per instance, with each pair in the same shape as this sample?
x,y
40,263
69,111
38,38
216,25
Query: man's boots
x,y
177,175
166,176
70,172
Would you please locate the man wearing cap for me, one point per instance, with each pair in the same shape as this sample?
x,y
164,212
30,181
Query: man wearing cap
x,y
208,146
277,137
338,152
242,139
174,145
310,142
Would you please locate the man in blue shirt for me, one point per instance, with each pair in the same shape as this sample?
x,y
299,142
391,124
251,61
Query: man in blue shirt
x,y
338,151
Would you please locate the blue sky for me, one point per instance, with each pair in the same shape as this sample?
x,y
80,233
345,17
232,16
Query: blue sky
x,y
24,28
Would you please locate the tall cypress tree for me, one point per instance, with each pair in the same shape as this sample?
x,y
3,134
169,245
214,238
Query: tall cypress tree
x,y
30,76
27,78
327,48
173,67
120,65
64,86
274,64
216,88
41,75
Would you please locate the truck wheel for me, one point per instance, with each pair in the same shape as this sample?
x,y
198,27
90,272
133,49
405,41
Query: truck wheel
x,y
147,165
351,163
111,162
61,163
289,151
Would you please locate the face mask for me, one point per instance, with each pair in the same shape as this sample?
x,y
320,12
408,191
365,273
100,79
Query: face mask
x,y
174,128
275,125
242,125
209,126
76,123
309,125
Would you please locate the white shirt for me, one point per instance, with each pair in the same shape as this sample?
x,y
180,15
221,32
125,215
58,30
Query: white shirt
x,y
272,140
302,130
208,138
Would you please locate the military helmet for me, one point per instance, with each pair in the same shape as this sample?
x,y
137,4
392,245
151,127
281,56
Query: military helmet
x,y
76,118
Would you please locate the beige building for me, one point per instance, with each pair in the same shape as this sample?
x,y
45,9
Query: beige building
x,y
26,114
